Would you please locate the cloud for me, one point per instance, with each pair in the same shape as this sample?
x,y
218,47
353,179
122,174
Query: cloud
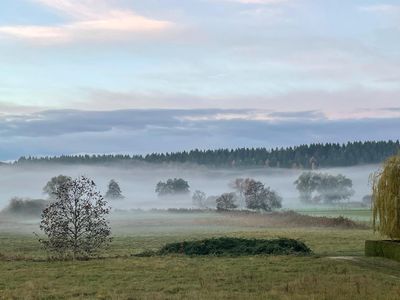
x,y
90,20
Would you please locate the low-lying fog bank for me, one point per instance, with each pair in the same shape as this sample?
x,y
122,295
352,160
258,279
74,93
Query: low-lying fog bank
x,y
138,184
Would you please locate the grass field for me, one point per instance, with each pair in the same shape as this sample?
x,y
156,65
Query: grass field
x,y
336,270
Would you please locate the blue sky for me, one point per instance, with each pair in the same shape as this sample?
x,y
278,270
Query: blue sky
x,y
330,68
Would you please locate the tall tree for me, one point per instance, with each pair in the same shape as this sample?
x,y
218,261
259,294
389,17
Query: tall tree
x,y
76,224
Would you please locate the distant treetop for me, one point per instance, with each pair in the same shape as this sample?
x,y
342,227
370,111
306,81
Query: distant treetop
x,y
310,156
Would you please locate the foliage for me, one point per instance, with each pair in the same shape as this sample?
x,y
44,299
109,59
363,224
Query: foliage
x,y
226,201
236,247
386,199
316,188
259,197
199,199
304,156
76,222
51,187
114,191
172,186
26,207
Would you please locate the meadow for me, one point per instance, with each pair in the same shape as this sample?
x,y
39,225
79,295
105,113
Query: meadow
x,y
337,269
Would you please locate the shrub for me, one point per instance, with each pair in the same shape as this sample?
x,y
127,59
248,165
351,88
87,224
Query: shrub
x,y
236,247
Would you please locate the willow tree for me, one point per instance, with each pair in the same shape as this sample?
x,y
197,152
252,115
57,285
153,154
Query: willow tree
x,y
386,199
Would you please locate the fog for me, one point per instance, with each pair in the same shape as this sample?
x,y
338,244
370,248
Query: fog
x,y
138,183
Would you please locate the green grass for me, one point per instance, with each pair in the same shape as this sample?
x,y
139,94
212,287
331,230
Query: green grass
x,y
328,274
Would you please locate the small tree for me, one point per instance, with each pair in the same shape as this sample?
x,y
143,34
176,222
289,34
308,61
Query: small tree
x,y
172,186
258,197
75,224
226,201
199,199
52,186
114,191
386,199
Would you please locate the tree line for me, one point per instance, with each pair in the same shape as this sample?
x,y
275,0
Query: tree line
x,y
302,157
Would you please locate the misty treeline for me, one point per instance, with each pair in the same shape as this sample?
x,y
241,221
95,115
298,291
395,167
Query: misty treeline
x,y
34,207
304,156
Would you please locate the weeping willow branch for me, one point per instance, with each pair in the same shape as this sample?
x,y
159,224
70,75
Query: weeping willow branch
x,y
386,199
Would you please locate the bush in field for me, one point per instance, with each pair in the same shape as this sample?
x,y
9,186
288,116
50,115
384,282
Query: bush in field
x,y
199,199
317,188
226,202
386,199
114,191
259,197
26,207
75,223
172,186
53,185
237,247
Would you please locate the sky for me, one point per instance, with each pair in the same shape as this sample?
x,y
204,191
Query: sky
x,y
134,76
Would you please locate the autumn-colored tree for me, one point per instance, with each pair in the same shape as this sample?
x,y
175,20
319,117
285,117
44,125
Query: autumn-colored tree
x,y
386,199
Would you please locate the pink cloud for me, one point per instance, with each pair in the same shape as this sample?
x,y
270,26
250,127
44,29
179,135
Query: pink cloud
x,y
89,20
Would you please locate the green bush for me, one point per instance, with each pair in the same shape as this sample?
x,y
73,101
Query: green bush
x,y
236,247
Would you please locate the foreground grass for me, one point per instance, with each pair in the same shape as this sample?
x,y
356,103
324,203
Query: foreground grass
x,y
177,277
337,270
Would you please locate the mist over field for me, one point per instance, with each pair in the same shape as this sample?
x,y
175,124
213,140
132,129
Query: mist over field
x,y
138,183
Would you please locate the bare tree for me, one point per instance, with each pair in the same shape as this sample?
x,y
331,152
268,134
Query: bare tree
x,y
226,201
76,224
